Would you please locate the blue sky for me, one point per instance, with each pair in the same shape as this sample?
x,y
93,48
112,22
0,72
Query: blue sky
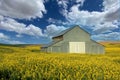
x,y
36,21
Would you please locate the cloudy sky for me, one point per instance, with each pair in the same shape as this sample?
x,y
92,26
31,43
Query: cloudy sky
x,y
36,21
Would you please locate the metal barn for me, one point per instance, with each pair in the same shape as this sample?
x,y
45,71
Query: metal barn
x,y
74,40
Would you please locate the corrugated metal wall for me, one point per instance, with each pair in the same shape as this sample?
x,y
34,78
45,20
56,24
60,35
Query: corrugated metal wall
x,y
92,47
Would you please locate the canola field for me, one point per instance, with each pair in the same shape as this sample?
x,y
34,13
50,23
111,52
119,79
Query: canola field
x,y
28,63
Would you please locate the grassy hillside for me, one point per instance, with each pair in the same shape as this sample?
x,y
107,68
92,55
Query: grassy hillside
x,y
110,44
28,63
7,48
112,47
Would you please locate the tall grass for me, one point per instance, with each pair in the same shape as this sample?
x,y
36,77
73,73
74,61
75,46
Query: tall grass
x,y
29,64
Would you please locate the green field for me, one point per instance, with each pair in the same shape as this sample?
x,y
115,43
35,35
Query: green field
x,y
26,62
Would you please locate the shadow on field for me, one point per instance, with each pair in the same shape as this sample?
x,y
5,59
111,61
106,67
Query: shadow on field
x,y
35,50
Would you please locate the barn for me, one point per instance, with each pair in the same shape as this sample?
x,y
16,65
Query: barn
x,y
73,40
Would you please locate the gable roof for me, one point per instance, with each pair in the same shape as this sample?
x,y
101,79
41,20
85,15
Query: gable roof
x,y
50,44
67,30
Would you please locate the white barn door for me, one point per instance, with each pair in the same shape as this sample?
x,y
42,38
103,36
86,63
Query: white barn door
x,y
77,47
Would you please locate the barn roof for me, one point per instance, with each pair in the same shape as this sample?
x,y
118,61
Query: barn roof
x,y
97,42
67,30
51,43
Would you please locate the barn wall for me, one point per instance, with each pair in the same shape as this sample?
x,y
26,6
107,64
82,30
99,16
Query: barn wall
x,y
49,49
65,47
76,35
56,49
44,49
77,47
93,47
59,47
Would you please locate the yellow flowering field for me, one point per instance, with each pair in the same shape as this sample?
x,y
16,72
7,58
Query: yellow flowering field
x,y
28,63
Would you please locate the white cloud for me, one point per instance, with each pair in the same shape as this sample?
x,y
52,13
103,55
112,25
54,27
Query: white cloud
x,y
113,14
20,28
80,1
1,18
9,24
51,20
109,36
52,29
112,9
100,22
55,21
97,21
33,30
19,36
64,5
13,42
106,27
22,9
3,36
6,39
108,4
85,18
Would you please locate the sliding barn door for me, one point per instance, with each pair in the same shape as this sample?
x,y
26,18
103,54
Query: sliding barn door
x,y
77,47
